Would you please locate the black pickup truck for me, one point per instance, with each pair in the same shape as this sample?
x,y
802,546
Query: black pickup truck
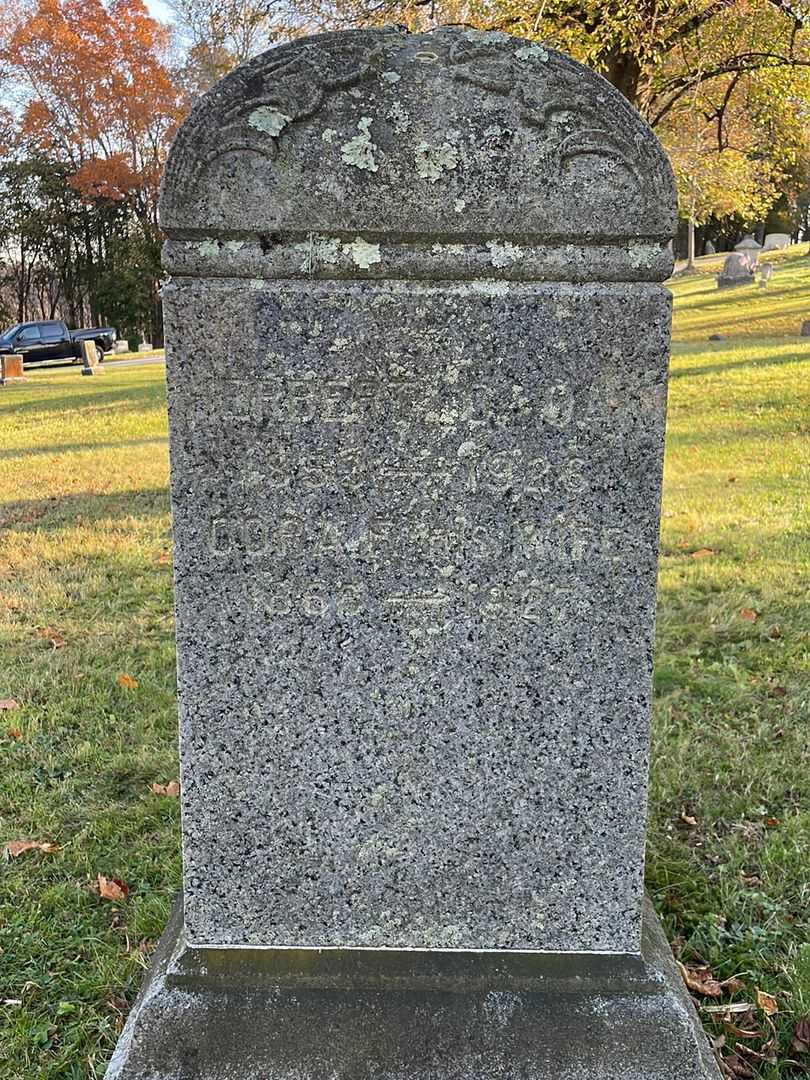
x,y
38,342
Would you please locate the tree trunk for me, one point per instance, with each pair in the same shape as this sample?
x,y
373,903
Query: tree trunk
x,y
624,71
690,257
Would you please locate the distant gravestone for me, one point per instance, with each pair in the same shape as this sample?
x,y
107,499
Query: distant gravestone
x,y
737,270
709,248
121,346
415,505
145,346
765,270
11,368
776,241
91,365
748,244
805,330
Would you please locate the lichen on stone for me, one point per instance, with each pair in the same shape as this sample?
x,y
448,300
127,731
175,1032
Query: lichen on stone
x,y
234,245
486,35
432,161
318,250
532,52
458,205
269,120
502,254
362,253
642,255
328,134
391,76
208,247
359,151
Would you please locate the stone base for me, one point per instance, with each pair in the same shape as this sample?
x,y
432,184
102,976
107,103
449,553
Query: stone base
x,y
290,1014
96,369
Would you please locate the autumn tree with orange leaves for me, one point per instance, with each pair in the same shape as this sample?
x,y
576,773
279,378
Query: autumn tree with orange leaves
x,y
96,106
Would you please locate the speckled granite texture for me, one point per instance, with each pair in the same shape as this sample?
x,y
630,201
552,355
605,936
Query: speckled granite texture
x,y
417,369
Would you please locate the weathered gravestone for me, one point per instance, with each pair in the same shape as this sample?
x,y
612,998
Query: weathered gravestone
x,y
749,244
91,365
416,439
11,368
765,270
775,241
738,269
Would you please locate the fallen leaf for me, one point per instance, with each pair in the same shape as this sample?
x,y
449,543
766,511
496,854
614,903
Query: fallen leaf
x,y
732,984
172,789
16,847
683,542
778,691
775,632
765,1052
7,704
749,614
742,1033
772,822
768,1004
702,553
700,980
127,682
56,640
111,888
732,479
687,819
14,733
734,1066
800,1043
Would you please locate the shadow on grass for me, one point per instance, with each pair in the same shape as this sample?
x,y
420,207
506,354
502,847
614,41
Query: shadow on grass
x,y
124,398
31,515
730,365
68,448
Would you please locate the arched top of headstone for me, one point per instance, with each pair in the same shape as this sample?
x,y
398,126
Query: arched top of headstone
x,y
363,137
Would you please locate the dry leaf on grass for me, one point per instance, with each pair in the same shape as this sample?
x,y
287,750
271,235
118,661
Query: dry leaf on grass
x,y
700,980
702,553
7,704
800,1043
732,984
111,888
14,733
768,1004
749,614
127,682
734,1066
16,847
687,819
743,1033
172,789
56,640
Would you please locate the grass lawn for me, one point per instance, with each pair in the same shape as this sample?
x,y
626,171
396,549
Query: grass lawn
x,y
86,652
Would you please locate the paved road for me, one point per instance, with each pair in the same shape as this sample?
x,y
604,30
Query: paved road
x,y
113,365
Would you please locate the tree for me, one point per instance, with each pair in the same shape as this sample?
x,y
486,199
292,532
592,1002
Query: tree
x,y
96,96
220,34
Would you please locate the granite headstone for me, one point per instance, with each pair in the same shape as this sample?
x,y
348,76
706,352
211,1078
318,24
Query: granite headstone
x,y
415,508
738,269
776,241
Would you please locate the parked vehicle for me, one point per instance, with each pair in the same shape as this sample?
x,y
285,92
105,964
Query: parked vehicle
x,y
38,342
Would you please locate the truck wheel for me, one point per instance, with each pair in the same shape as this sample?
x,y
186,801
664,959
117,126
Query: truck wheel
x,y
100,354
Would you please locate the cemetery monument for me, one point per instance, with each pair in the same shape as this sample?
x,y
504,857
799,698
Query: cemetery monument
x,y
416,418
